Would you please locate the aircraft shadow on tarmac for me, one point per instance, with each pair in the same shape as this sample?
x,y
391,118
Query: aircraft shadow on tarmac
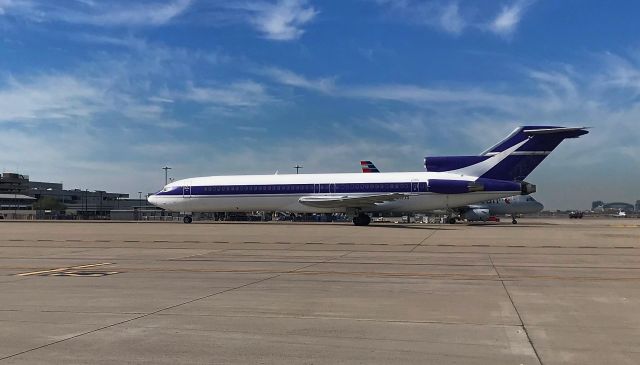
x,y
346,224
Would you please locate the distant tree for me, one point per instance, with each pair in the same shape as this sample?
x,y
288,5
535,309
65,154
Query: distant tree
x,y
48,203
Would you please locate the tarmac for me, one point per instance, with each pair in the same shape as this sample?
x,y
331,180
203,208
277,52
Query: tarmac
x,y
540,292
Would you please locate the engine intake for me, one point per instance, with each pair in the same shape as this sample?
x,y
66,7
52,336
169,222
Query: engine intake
x,y
527,188
477,214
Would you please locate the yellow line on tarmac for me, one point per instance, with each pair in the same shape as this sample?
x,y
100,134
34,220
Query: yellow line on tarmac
x,y
63,269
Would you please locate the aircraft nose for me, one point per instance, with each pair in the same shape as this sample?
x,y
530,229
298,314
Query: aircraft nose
x,y
152,199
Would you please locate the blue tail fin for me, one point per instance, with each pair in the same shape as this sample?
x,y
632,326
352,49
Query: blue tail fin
x,y
513,158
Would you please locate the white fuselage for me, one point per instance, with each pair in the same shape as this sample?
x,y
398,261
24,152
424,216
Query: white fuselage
x,y
519,204
246,193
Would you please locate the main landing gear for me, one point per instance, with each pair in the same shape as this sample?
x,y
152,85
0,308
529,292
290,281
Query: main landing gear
x,y
513,220
361,220
187,219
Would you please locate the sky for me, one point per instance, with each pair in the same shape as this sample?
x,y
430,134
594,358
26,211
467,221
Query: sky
x,y
103,94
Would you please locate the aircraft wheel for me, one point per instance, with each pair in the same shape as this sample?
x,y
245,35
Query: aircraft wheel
x,y
366,220
452,220
187,219
514,221
361,220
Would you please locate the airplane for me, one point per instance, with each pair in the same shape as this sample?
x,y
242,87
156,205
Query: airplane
x,y
513,205
620,214
451,181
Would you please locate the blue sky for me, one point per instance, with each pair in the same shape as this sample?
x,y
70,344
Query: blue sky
x,y
102,94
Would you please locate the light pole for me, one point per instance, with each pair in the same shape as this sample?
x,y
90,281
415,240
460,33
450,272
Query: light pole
x,y
297,167
140,198
166,170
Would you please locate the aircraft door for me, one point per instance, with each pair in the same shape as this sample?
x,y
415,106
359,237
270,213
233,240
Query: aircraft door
x,y
186,191
415,186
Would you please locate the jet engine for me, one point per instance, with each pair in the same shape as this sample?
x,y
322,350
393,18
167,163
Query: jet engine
x,y
476,214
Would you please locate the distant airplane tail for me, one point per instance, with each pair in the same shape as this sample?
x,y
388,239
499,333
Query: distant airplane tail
x,y
513,158
368,166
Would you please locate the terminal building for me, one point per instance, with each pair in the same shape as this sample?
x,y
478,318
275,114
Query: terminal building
x,y
600,206
15,203
21,198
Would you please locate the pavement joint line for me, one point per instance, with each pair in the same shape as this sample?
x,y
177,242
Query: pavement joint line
x,y
511,253
515,308
63,269
431,233
167,308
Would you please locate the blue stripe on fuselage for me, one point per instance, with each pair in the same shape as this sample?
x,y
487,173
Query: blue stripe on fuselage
x,y
342,188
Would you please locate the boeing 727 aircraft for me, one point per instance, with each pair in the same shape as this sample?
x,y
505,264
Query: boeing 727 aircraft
x,y
448,182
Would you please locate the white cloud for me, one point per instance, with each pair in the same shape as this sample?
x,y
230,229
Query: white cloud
x,y
456,16
418,94
237,94
622,73
290,78
63,98
49,97
451,20
109,13
506,22
279,20
283,20
445,17
404,93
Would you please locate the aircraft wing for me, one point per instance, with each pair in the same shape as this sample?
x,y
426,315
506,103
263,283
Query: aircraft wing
x,y
350,201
